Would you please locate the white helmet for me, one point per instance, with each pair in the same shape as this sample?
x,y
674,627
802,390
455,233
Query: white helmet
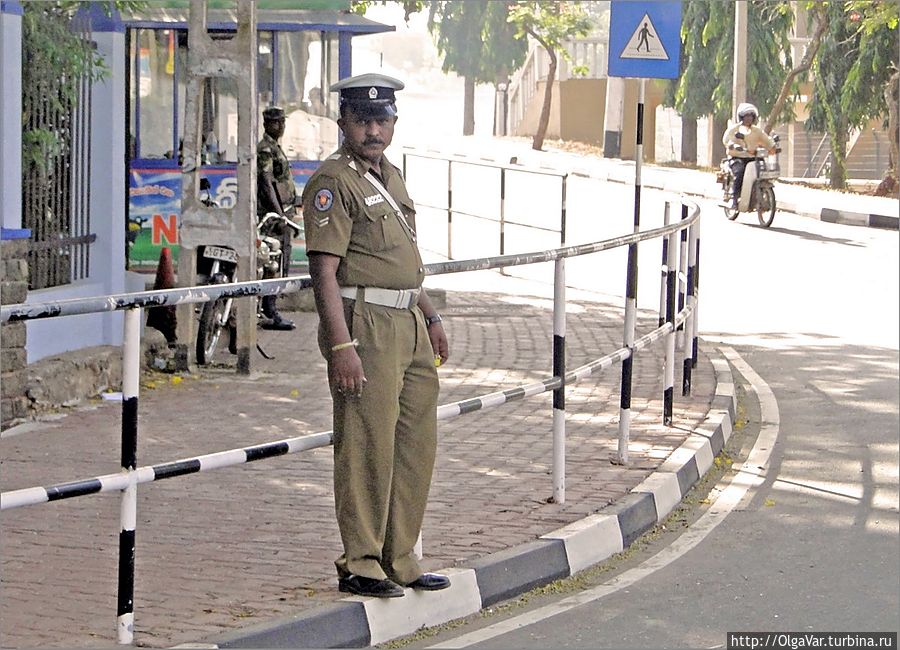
x,y
747,109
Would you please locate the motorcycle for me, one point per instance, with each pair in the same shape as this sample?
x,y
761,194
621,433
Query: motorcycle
x,y
218,265
757,190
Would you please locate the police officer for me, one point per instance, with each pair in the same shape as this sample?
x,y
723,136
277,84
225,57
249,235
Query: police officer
x,y
275,192
741,141
382,339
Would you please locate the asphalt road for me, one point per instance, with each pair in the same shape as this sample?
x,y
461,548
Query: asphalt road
x,y
808,313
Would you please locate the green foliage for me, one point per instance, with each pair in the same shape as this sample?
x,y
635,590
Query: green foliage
x,y
839,49
54,58
854,65
550,24
875,62
410,7
475,39
707,38
692,93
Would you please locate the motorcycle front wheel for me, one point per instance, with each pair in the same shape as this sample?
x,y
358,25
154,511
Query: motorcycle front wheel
x,y
213,320
765,208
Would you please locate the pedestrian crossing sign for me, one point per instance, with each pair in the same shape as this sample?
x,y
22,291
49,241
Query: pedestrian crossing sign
x,y
645,39
645,43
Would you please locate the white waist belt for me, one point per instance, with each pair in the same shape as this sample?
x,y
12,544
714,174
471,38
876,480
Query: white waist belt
x,y
396,298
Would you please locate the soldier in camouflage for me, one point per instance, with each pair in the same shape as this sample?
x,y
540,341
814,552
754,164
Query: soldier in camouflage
x,y
275,192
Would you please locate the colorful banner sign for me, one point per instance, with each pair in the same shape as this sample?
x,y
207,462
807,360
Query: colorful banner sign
x,y
155,208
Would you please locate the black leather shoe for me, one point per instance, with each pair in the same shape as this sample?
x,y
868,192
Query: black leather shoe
x,y
362,586
278,323
430,582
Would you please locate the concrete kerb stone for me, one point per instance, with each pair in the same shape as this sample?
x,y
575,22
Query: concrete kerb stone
x,y
356,622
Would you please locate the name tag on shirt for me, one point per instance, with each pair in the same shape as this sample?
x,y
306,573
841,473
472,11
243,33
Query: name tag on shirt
x,y
373,200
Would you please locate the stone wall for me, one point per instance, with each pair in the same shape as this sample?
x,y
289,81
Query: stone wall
x,y
13,361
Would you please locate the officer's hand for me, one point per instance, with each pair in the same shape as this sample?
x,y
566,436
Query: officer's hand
x,y
439,342
346,372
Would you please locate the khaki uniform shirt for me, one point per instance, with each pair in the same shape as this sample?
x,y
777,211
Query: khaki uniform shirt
x,y
271,159
753,137
345,215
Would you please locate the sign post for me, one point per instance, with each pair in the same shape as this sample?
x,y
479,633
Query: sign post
x,y
644,42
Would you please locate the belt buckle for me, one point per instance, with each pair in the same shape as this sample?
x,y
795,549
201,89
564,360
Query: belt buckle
x,y
406,298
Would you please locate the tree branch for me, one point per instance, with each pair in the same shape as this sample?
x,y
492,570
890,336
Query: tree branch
x,y
804,65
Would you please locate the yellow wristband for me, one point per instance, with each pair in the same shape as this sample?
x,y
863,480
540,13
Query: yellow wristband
x,y
341,346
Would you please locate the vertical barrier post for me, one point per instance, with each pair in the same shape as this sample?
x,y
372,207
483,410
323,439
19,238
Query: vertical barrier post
x,y
559,370
502,216
689,329
696,320
131,359
449,209
664,270
668,390
631,293
559,364
682,277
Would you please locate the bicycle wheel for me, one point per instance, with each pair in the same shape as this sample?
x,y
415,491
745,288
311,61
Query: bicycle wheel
x,y
731,213
212,323
765,207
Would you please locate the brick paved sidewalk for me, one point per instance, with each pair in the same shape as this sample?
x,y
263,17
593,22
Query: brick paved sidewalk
x,y
224,549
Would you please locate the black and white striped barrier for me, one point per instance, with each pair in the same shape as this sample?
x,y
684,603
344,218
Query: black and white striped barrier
x,y
146,299
131,476
669,365
218,460
360,622
664,268
128,509
631,293
690,328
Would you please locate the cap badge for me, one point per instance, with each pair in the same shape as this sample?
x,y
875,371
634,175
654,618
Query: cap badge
x,y
373,93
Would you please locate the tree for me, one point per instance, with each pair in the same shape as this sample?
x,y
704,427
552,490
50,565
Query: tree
x,y
876,67
707,36
478,43
692,93
551,25
817,17
832,65
458,29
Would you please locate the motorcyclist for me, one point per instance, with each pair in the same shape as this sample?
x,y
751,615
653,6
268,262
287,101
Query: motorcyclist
x,y
741,142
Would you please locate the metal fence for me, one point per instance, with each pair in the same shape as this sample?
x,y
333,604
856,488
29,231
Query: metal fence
x,y
55,179
678,304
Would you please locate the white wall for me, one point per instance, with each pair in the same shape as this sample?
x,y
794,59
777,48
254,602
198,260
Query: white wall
x,y
11,116
53,336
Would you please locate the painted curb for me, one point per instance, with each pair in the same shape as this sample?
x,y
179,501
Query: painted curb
x,y
361,622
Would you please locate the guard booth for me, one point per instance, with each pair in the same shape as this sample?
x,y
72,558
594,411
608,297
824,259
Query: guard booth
x,y
301,52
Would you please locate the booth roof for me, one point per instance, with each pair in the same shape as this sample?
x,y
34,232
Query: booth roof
x,y
269,16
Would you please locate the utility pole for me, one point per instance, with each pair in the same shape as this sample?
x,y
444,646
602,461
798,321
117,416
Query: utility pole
x,y
233,227
739,86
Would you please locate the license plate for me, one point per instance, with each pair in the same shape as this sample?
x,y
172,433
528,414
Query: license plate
x,y
220,253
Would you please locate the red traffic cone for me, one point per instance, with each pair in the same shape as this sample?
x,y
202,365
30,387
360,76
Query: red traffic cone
x,y
163,318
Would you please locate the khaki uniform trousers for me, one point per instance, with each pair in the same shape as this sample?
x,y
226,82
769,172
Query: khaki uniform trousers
x,y
385,443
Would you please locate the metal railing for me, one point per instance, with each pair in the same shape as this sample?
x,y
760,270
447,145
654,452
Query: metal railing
x,y
55,178
677,315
